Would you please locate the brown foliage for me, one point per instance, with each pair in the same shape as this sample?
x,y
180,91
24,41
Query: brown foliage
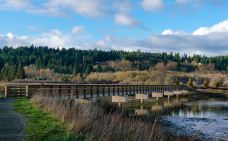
x,y
95,123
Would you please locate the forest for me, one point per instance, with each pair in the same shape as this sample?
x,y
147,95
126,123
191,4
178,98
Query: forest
x,y
76,61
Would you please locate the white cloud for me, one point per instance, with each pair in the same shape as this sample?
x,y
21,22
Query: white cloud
x,y
211,44
10,36
15,4
78,29
90,8
168,41
195,5
122,6
220,27
106,43
171,32
53,38
152,5
124,19
10,39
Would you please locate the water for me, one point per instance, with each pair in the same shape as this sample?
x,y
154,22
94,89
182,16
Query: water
x,y
206,119
203,116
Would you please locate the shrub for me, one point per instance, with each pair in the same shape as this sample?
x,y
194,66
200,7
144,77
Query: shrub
x,y
190,83
216,82
205,84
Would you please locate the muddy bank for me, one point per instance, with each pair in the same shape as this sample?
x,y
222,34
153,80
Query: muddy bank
x,y
204,120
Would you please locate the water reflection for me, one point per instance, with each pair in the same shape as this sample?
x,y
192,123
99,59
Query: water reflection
x,y
204,109
141,111
204,114
191,106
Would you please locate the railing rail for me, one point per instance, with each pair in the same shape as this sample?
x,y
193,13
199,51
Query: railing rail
x,y
84,90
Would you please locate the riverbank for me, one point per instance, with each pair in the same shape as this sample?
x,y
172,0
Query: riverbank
x,y
213,91
102,121
203,116
40,125
204,119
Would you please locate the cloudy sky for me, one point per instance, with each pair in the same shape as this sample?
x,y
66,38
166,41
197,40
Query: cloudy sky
x,y
185,26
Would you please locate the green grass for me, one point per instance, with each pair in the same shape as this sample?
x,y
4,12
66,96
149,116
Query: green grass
x,y
2,96
42,126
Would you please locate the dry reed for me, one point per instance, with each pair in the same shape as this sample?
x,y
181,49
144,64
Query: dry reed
x,y
99,121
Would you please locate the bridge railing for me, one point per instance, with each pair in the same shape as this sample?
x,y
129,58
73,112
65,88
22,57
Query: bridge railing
x,y
84,90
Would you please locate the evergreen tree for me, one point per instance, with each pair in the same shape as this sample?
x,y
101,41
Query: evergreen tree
x,y
205,84
177,81
74,61
190,82
99,68
20,73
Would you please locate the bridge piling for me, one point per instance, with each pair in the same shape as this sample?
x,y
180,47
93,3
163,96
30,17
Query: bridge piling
x,y
6,91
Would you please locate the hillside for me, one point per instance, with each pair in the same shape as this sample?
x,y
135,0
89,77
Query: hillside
x,y
43,63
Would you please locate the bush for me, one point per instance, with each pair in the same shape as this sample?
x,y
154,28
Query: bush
x,y
190,82
216,82
205,84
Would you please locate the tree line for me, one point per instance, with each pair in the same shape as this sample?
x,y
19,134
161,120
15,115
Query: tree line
x,y
76,61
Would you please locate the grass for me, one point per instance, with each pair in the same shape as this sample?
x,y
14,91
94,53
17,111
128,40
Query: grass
x,y
98,121
42,126
1,95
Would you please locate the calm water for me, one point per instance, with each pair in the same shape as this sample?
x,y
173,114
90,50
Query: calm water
x,y
204,116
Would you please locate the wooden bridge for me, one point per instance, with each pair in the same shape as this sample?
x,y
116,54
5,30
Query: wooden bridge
x,y
84,90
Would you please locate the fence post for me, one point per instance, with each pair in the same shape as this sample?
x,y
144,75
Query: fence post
x,y
26,90
6,91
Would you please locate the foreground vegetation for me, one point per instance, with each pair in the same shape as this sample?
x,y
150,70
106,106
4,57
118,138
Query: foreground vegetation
x,y
102,121
42,126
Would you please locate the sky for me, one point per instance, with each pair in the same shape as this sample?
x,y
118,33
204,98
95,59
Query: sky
x,y
184,26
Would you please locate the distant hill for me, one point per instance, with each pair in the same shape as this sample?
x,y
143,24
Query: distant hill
x,y
83,62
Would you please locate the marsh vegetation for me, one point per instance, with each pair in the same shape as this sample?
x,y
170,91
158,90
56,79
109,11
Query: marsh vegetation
x,y
103,121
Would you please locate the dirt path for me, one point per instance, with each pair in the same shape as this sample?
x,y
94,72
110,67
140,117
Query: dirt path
x,y
11,123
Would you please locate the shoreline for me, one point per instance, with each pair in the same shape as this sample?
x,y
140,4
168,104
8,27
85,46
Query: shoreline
x,y
213,91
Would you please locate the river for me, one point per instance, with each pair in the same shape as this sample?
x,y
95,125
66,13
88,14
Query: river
x,y
204,116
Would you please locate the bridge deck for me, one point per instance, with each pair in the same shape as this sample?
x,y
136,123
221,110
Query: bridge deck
x,y
77,90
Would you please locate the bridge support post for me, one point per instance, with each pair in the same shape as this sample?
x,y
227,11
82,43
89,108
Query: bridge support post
x,y
27,91
103,90
119,99
97,91
130,90
142,97
6,91
113,91
157,95
84,91
76,92
109,90
91,91
72,91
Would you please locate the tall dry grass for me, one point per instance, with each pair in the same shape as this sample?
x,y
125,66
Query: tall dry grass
x,y
95,123
160,77
101,122
131,77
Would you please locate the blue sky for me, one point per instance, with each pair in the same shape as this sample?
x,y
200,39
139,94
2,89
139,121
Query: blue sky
x,y
185,26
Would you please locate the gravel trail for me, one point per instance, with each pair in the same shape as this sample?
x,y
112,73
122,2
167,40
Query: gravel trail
x,y
11,123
